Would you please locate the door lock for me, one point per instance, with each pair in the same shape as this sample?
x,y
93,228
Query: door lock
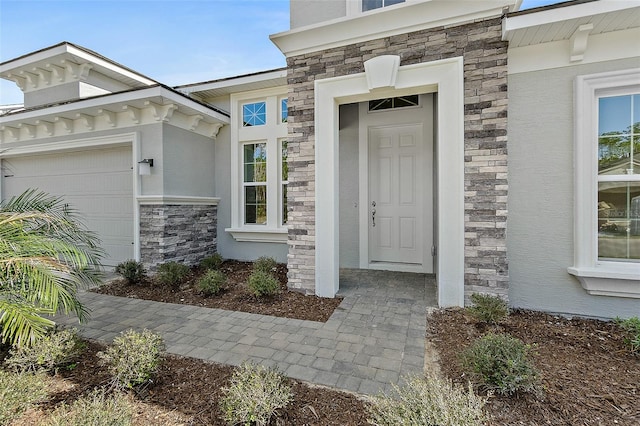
x,y
373,213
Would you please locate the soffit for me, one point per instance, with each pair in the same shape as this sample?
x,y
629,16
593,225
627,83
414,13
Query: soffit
x,y
243,83
554,24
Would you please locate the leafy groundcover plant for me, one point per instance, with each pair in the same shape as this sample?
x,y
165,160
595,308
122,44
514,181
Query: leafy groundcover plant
x,y
254,395
430,401
501,363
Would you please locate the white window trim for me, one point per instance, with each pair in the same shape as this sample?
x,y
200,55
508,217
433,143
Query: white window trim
x,y
607,278
272,133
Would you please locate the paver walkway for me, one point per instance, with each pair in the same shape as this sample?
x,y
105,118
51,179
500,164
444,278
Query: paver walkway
x,y
376,334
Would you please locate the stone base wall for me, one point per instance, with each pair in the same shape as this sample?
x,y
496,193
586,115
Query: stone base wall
x,y
485,100
180,233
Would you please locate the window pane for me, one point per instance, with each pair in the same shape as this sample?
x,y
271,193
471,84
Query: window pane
x,y
255,205
618,143
284,205
254,114
405,101
284,112
371,4
619,220
285,165
255,162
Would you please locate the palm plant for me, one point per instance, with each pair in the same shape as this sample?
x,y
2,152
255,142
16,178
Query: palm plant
x,y
46,256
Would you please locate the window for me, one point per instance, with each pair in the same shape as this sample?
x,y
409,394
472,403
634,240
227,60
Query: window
x,y
255,183
618,163
607,183
392,103
254,114
259,166
376,4
284,111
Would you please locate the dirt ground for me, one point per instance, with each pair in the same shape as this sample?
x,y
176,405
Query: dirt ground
x,y
589,377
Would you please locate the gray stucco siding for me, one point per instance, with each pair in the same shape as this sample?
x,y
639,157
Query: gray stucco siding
x,y
541,187
188,161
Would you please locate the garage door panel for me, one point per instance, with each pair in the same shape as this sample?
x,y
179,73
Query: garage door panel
x,y
97,183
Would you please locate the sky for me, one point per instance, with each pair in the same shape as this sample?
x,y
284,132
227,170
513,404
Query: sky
x,y
174,42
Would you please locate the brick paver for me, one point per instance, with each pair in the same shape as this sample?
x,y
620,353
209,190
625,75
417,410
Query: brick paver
x,y
375,335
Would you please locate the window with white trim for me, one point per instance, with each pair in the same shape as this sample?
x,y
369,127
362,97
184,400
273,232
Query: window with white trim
x,y
607,183
258,167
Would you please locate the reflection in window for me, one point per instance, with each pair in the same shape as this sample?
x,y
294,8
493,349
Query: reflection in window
x,y
254,114
255,183
391,103
376,4
618,184
284,112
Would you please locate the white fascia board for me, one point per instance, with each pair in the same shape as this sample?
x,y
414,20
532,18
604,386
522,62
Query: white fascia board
x,y
67,49
384,23
234,84
123,97
559,14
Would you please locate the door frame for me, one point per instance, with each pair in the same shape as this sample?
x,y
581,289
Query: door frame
x,y
444,77
422,115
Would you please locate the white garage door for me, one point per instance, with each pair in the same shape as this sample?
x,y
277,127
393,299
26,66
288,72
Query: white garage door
x,y
98,183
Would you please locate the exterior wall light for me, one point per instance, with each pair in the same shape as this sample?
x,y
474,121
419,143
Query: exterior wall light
x,y
144,167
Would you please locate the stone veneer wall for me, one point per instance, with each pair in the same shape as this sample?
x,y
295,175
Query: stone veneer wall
x,y
485,104
180,233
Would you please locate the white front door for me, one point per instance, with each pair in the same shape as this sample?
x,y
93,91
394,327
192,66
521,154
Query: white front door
x,y
399,194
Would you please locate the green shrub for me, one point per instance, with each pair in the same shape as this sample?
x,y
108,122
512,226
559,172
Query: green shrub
x,y
431,401
501,363
18,392
265,264
214,261
133,358
212,282
263,284
96,408
254,395
47,353
132,271
632,328
173,273
489,309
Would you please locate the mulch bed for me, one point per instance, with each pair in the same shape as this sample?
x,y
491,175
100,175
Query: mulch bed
x,y
589,375
236,296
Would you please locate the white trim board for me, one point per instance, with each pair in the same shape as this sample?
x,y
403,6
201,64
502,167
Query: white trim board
x,y
447,78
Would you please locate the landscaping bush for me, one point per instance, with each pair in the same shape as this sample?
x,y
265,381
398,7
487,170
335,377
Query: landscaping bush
x,y
18,392
265,264
501,363
47,353
489,309
212,282
132,271
96,408
631,326
212,262
254,395
172,273
427,402
263,284
133,358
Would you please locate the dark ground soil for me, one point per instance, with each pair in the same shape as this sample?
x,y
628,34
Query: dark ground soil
x,y
589,377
